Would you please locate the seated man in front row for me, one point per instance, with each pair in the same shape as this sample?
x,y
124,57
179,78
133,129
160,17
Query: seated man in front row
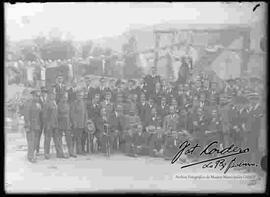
x,y
104,131
154,133
133,121
90,142
170,127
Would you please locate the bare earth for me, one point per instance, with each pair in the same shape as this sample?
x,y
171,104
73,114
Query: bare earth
x,y
96,173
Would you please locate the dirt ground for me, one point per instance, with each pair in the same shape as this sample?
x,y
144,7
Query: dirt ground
x,y
119,173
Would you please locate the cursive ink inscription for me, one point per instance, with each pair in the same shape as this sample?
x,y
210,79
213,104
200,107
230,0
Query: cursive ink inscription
x,y
209,149
222,164
184,147
219,162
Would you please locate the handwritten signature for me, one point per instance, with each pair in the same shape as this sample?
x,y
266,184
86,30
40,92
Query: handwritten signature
x,y
218,162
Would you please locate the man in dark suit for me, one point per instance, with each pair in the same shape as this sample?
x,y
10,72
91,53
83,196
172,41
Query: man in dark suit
x,y
162,109
170,128
151,80
214,127
157,94
179,94
101,89
72,92
118,91
118,124
107,103
141,88
89,90
105,130
143,110
131,89
59,88
133,120
93,108
153,128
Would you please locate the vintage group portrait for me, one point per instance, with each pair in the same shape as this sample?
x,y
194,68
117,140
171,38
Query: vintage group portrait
x,y
135,97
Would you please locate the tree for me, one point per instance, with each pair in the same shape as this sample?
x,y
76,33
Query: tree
x,y
57,49
40,41
97,51
131,69
86,49
107,51
29,53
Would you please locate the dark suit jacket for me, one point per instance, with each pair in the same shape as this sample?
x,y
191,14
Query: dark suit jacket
x,y
162,111
118,122
154,121
102,92
93,111
50,119
71,95
144,111
150,83
171,122
59,91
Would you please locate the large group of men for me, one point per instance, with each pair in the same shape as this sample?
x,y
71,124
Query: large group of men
x,y
148,117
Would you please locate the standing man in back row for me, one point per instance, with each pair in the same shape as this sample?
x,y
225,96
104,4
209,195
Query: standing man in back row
x,y
59,88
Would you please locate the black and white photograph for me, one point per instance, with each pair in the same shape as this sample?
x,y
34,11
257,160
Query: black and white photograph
x,y
125,97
